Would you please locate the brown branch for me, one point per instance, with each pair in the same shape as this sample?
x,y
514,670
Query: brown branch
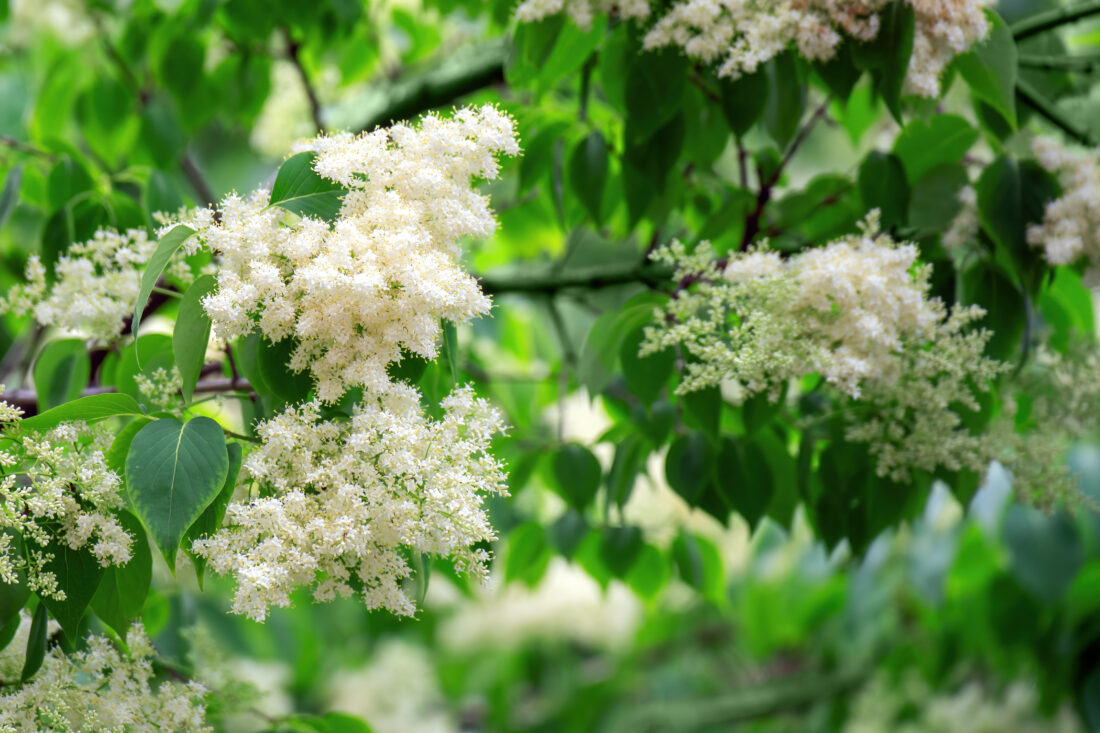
x,y
763,196
28,400
23,147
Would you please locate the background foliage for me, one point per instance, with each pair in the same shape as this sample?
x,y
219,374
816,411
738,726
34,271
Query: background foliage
x,y
665,562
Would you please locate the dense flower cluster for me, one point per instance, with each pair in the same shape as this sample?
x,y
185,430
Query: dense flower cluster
x,y
743,34
339,504
98,689
1070,229
843,311
356,294
858,313
97,284
58,484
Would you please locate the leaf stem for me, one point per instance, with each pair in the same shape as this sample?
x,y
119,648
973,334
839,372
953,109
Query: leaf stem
x,y
1030,97
166,292
250,438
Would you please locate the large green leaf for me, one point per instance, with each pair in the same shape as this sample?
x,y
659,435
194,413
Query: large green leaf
x,y
90,409
299,189
61,372
887,55
192,333
588,173
168,245
174,471
121,594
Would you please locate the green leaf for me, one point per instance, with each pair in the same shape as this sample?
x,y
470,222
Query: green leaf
x,y
274,363
703,409
699,564
120,446
743,100
887,55
646,376
990,69
624,469
174,471
13,596
883,186
619,548
568,531
528,554
8,629
744,479
161,194
1044,551
840,73
155,350
923,146
68,178
61,372
300,190
9,196
1005,308
450,347
78,574
36,643
688,466
604,342
90,409
210,521
168,245
192,333
786,99
588,173
650,572
162,138
576,474
934,202
654,87
121,594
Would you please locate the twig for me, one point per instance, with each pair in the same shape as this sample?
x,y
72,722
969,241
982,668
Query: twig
x,y
1060,63
763,196
1036,24
23,147
589,278
28,400
197,180
293,49
1030,97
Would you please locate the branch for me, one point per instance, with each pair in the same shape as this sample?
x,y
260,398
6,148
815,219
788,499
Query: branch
x,y
1052,19
763,196
23,147
1030,97
292,51
1060,63
594,277
438,86
198,180
28,399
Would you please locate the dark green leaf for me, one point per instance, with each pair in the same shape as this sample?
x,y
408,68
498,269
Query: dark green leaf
x,y
61,372
744,479
577,474
786,99
619,548
567,532
299,189
78,574
192,333
36,643
699,564
883,185
121,594
688,466
654,87
13,596
174,471
1005,308
933,202
528,553
646,376
274,363
743,100
588,173
887,55
624,469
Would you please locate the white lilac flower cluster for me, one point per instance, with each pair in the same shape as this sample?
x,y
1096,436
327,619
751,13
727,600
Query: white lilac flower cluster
x,y
842,311
743,34
58,484
100,688
342,505
344,501
856,312
1070,229
356,294
97,283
